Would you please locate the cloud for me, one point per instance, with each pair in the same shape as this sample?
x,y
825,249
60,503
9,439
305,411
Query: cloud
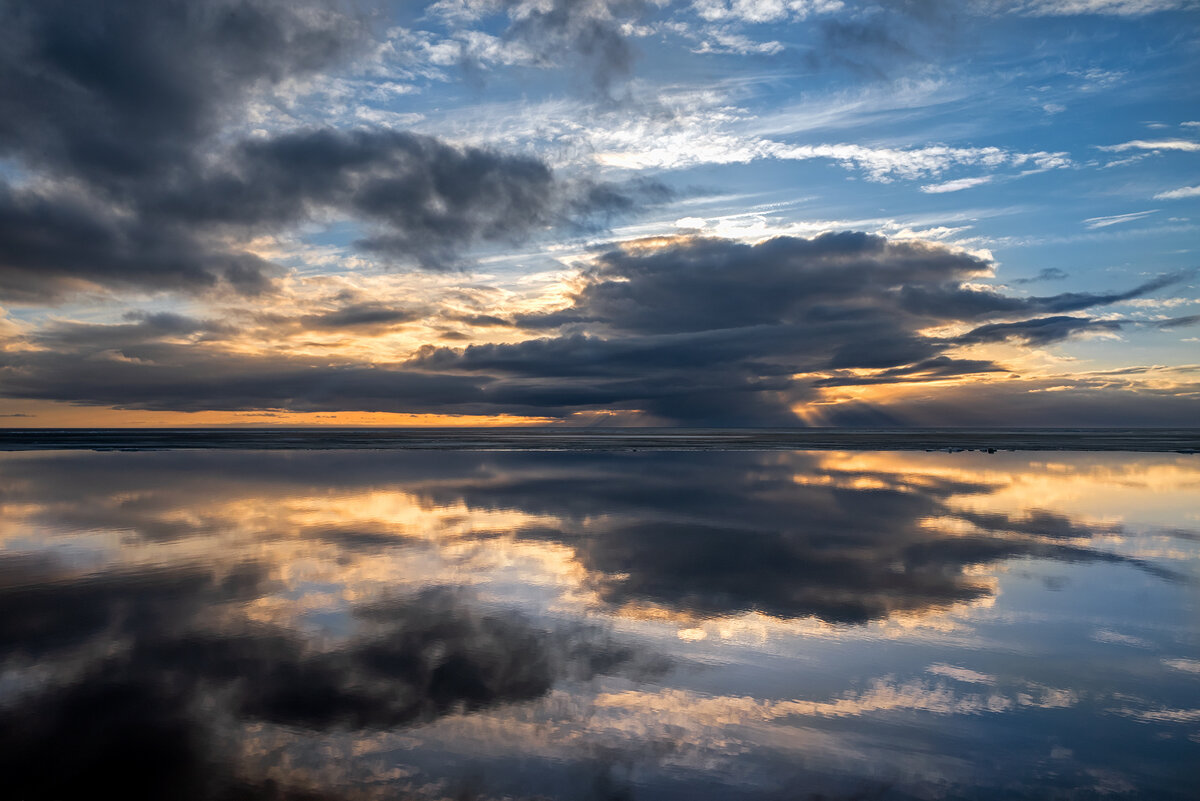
x,y
361,316
957,185
58,242
1117,219
423,202
182,377
590,31
678,146
725,326
1179,322
1182,145
759,11
1064,400
118,115
693,330
1038,332
106,100
1120,8
588,36
1046,274
114,92
428,199
1179,194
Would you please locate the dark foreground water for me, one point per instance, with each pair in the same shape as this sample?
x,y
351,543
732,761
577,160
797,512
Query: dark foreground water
x,y
360,624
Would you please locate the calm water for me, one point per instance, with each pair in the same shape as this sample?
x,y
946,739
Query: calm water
x,y
674,625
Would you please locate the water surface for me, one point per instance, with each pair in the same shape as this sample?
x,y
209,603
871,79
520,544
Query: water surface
x,y
362,624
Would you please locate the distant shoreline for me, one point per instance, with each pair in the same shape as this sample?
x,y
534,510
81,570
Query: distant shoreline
x,y
1151,440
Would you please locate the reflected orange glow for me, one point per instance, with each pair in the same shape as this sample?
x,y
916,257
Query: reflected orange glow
x,y
1090,487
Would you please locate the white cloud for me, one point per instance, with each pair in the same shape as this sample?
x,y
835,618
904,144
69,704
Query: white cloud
x,y
956,185
1120,8
1156,144
686,147
683,127
1116,219
736,43
757,11
1181,192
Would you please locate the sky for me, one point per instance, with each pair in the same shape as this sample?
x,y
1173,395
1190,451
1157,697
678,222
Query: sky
x,y
600,212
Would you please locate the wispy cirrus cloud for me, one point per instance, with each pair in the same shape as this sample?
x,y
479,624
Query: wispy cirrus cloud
x,y
1181,145
1117,219
957,185
1067,8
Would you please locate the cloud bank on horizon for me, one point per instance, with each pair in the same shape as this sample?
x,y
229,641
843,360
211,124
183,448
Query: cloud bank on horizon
x,y
718,212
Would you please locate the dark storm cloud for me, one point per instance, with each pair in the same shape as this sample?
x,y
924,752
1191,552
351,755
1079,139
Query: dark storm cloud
x,y
429,199
53,242
937,367
698,331
115,91
358,316
968,303
119,112
1040,331
423,202
183,378
141,330
710,331
109,100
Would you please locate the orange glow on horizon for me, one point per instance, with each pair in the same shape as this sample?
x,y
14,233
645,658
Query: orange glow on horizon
x,y
63,415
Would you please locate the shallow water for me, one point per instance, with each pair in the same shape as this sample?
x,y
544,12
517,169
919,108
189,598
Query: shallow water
x,y
222,624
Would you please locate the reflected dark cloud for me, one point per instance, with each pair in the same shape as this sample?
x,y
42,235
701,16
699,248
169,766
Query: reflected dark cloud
x,y
44,608
153,677
791,535
149,678
419,659
738,533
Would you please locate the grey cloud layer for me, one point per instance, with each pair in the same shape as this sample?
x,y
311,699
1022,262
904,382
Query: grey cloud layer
x,y
700,331
114,113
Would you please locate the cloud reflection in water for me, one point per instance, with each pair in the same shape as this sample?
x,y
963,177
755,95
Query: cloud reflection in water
x,y
367,624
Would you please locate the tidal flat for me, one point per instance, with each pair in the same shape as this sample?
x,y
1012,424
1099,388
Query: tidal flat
x,y
626,622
